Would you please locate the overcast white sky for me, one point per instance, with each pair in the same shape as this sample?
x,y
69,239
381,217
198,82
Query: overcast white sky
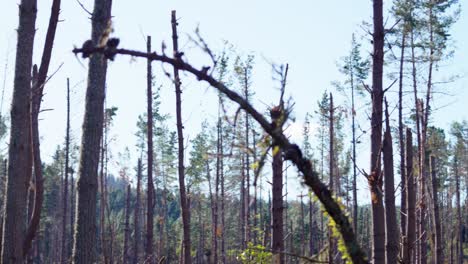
x,y
309,35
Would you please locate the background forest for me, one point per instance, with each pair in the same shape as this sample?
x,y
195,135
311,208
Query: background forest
x,y
228,159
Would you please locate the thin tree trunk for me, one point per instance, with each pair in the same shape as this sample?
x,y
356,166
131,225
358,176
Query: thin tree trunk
x,y
183,197
403,213
302,221
247,163
375,177
391,227
223,198
65,184
84,249
438,243
409,249
19,153
277,243
311,229
136,217
125,253
459,236
102,201
331,240
150,188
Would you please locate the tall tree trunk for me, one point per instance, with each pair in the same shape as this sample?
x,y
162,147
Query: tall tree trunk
x,y
353,127
311,229
375,177
36,99
302,221
150,189
331,240
125,253
102,201
403,213
422,241
247,162
409,247
223,197
277,243
136,217
72,209
438,243
65,184
19,153
84,249
459,235
183,196
391,227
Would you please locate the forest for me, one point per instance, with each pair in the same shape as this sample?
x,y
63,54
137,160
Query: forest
x,y
217,168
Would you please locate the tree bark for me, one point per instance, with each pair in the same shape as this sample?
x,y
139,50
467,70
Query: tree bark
x,y
404,212
65,183
125,253
36,99
375,177
150,188
331,175
409,249
277,243
438,243
84,249
136,217
19,153
183,196
391,227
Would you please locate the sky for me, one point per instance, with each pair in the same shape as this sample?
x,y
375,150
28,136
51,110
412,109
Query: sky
x,y
311,36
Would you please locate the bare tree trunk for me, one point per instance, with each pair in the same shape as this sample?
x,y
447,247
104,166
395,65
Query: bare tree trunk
x,y
223,197
183,197
136,217
459,235
391,231
242,218
331,240
84,249
302,221
311,229
65,184
72,209
247,163
150,189
102,201
409,249
36,99
375,177
277,243
438,243
19,153
403,213
125,253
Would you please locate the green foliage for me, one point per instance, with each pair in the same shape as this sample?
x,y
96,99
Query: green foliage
x,y
255,254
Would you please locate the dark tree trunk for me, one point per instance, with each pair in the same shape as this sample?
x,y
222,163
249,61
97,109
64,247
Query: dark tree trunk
x,y
65,184
19,153
84,249
459,235
331,240
391,227
183,196
36,99
136,217
277,243
438,243
403,213
409,247
375,177
150,258
125,253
